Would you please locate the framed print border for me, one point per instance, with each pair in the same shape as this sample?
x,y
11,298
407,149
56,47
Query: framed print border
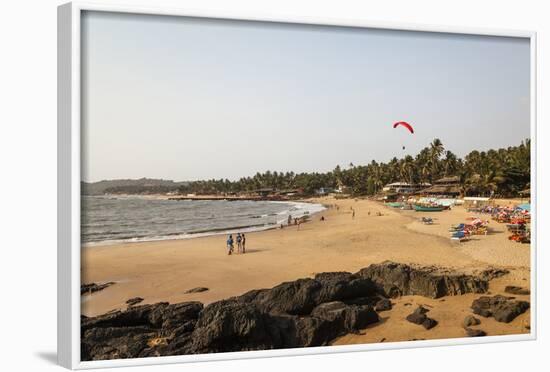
x,y
69,186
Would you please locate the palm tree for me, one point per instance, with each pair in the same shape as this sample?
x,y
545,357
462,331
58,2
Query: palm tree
x,y
450,164
436,149
407,169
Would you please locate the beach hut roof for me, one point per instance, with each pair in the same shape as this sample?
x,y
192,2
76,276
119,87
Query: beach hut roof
x,y
265,189
406,184
442,190
398,184
452,179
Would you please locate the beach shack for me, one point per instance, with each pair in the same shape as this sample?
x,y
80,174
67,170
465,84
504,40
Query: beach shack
x,y
264,192
403,187
321,191
446,186
476,201
291,192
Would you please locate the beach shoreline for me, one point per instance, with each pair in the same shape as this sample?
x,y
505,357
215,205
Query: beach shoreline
x,y
302,210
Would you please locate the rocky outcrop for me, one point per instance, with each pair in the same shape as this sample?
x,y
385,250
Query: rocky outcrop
x,y
394,279
306,312
133,333
94,287
503,309
302,313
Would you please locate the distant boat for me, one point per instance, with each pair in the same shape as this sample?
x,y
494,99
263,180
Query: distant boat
x,y
395,204
425,208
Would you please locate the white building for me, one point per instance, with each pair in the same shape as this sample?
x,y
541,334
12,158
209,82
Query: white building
x,y
404,187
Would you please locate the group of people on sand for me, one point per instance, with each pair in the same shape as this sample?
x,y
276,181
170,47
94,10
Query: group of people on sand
x,y
241,243
297,221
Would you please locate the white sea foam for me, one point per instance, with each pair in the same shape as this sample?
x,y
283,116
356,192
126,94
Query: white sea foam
x,y
295,210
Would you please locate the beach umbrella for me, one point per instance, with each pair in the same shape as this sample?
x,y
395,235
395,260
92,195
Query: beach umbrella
x,y
525,207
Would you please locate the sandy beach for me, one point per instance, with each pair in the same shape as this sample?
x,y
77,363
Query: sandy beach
x,y
165,270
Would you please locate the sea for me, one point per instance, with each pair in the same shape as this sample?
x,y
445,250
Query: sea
x,y
117,219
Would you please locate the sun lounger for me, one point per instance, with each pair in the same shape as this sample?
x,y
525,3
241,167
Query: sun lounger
x,y
460,236
459,227
521,237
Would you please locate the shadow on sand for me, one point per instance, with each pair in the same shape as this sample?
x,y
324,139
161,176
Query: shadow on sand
x,y
253,250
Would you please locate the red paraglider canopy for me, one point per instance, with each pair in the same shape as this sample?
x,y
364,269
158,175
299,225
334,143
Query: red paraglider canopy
x,y
405,124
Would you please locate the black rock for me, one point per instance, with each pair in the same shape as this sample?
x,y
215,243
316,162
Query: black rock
x,y
416,318
197,290
346,317
302,313
394,279
429,323
516,290
233,326
131,333
419,317
469,321
94,287
134,301
383,305
470,332
503,309
301,296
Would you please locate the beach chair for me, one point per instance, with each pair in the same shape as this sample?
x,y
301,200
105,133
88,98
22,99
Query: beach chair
x,y
480,230
515,227
460,236
427,220
459,227
521,237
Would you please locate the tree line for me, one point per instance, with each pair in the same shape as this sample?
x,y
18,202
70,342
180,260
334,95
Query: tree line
x,y
503,172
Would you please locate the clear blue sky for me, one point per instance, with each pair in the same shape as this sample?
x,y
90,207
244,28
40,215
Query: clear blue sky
x,y
184,99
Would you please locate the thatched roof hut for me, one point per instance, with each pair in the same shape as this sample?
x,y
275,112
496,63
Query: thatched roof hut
x,y
442,190
444,186
448,180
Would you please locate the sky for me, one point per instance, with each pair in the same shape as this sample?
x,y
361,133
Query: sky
x,y
189,98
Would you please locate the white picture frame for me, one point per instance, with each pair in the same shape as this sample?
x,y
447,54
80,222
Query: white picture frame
x,y
69,164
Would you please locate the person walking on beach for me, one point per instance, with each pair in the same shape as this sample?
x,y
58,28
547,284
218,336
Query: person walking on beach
x,y
239,243
353,214
289,219
243,242
230,244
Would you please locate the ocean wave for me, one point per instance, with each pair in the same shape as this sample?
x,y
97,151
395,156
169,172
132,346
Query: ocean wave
x,y
294,209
